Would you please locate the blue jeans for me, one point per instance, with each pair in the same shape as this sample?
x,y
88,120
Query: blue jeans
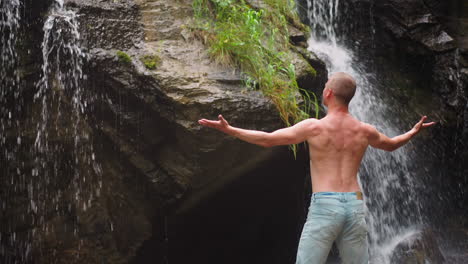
x,y
334,216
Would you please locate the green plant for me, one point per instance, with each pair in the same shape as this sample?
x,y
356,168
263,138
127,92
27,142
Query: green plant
x,y
123,57
151,61
257,42
288,9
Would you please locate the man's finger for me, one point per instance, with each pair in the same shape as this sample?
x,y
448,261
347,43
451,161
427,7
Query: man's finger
x,y
422,119
221,118
205,122
429,124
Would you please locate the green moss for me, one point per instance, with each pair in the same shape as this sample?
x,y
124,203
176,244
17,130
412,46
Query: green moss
x,y
124,57
151,61
257,42
311,71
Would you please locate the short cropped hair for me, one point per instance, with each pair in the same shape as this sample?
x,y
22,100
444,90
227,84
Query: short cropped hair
x,y
343,86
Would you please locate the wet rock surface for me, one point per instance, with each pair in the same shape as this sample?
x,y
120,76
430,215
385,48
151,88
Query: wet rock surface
x,y
432,37
419,48
152,164
420,249
426,39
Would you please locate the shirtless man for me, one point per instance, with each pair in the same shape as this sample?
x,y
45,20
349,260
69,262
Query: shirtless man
x,y
337,144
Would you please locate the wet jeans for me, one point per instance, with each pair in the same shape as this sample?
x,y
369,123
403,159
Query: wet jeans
x,y
334,216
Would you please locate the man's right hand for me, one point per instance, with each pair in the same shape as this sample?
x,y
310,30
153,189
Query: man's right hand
x,y
421,124
381,141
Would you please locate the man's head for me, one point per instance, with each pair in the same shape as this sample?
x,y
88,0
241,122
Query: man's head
x,y
340,86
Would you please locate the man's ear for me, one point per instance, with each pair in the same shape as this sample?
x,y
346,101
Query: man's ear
x,y
328,93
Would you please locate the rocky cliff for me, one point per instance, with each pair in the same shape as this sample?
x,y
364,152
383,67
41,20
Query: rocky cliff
x,y
420,48
428,39
143,160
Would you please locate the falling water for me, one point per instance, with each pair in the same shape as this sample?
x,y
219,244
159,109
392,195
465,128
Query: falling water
x,y
9,23
57,172
9,96
387,179
9,79
61,69
63,105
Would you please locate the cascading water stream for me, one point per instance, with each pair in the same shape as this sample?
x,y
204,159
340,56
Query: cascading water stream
x,y
61,69
64,102
9,24
9,97
9,78
55,176
387,179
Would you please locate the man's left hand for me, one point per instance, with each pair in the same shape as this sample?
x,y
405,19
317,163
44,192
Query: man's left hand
x,y
221,125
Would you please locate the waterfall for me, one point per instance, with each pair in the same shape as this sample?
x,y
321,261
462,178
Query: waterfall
x,y
386,178
52,175
61,69
9,79
9,24
9,96
64,102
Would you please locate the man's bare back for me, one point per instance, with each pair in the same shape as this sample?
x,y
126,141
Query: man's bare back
x,y
336,151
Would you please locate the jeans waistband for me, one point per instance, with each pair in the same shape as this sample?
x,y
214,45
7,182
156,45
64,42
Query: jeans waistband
x,y
338,195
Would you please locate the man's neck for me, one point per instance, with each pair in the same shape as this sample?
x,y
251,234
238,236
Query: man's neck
x,y
337,109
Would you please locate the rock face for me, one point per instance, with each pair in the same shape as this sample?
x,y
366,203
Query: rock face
x,y
154,162
426,39
419,250
430,37
411,32
415,29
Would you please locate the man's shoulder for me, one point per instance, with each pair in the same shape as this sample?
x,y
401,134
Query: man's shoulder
x,y
314,122
311,126
369,129
310,121
364,125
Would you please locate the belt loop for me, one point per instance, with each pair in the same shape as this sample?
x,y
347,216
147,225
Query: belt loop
x,y
313,197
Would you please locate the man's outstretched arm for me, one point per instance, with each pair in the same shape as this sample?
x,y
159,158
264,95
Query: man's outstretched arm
x,y
285,136
381,141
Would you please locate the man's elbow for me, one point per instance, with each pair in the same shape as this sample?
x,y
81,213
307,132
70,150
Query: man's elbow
x,y
391,148
387,147
266,144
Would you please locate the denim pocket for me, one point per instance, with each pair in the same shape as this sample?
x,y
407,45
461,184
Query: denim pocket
x,y
321,224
